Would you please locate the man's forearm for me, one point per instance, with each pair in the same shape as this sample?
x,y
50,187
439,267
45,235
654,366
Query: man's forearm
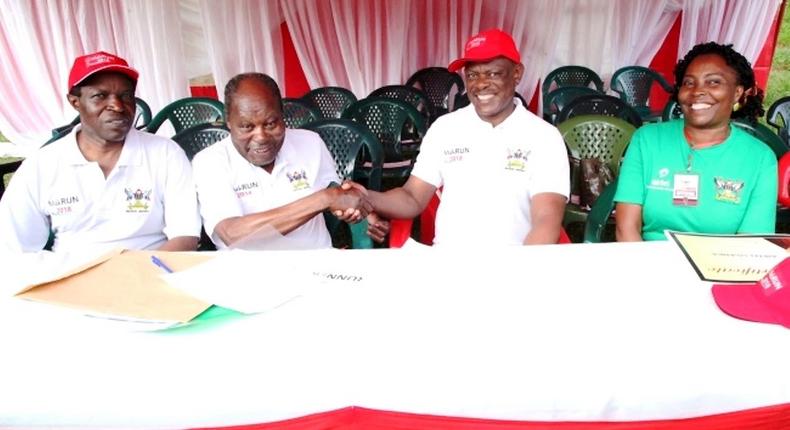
x,y
180,243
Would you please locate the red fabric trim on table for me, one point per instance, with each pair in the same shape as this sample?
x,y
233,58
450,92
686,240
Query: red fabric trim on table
x,y
356,418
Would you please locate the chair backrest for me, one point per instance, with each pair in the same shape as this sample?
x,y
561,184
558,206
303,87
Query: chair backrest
x,y
198,137
142,114
599,214
439,84
671,111
413,96
765,134
297,113
595,136
634,84
330,102
571,76
599,104
778,117
189,112
387,119
559,98
345,140
6,169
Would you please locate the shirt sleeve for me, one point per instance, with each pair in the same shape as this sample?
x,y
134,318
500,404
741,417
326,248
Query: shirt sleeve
x,y
760,214
630,185
550,166
429,161
216,198
27,228
180,202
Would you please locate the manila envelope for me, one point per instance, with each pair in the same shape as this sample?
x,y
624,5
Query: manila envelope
x,y
126,285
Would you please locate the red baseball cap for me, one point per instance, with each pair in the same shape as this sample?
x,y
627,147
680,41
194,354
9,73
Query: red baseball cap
x,y
767,300
87,65
486,46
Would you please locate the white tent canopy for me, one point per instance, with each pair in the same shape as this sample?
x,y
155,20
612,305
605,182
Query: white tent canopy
x,y
358,44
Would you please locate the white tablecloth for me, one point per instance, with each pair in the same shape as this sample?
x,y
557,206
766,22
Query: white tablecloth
x,y
606,332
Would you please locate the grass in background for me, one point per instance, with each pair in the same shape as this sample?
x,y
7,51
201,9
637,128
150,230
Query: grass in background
x,y
779,79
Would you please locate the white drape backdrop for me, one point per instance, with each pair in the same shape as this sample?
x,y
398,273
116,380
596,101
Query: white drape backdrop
x,y
357,44
242,37
40,39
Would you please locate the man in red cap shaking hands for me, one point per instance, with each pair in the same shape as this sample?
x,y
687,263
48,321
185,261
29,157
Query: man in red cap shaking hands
x,y
105,185
503,171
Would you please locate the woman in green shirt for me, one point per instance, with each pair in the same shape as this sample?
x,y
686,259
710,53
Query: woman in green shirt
x,y
700,174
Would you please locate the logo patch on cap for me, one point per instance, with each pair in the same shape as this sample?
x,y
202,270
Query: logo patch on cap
x,y
97,59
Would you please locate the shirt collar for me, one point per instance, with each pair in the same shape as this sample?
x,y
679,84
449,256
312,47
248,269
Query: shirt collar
x,y
130,154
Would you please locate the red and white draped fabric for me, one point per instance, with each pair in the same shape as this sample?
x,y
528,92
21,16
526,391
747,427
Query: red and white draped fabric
x,y
727,21
243,36
357,44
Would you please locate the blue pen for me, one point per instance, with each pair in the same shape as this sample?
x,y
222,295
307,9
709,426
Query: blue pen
x,y
161,264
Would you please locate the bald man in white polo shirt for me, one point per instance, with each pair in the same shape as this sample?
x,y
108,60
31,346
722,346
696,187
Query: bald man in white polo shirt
x,y
105,185
266,178
503,171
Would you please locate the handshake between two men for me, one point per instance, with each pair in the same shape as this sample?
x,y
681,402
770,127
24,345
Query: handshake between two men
x,y
351,203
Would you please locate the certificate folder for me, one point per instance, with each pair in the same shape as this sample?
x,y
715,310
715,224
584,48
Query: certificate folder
x,y
126,286
732,258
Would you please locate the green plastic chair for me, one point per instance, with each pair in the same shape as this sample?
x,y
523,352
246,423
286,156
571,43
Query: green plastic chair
x,y
193,139
599,216
634,83
330,102
599,104
142,114
188,112
592,136
561,97
411,95
778,117
570,76
345,139
438,84
765,134
671,111
297,113
7,169
386,119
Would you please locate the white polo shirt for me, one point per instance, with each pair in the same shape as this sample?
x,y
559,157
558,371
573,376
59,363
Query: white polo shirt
x,y
230,186
147,198
489,174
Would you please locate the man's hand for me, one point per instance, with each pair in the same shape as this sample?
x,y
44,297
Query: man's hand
x,y
349,204
378,228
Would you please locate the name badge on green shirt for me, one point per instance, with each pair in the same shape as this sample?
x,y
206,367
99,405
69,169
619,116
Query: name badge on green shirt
x,y
685,189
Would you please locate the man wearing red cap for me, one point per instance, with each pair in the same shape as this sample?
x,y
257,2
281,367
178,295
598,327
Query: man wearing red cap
x,y
105,185
503,171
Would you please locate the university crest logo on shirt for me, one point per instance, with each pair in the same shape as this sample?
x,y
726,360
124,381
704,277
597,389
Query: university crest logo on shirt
x,y
137,200
728,190
517,160
298,180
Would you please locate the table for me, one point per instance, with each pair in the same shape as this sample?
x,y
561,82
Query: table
x,y
582,333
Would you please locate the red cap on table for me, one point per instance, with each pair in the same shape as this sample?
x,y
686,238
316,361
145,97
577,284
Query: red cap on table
x,y
766,301
88,65
486,46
